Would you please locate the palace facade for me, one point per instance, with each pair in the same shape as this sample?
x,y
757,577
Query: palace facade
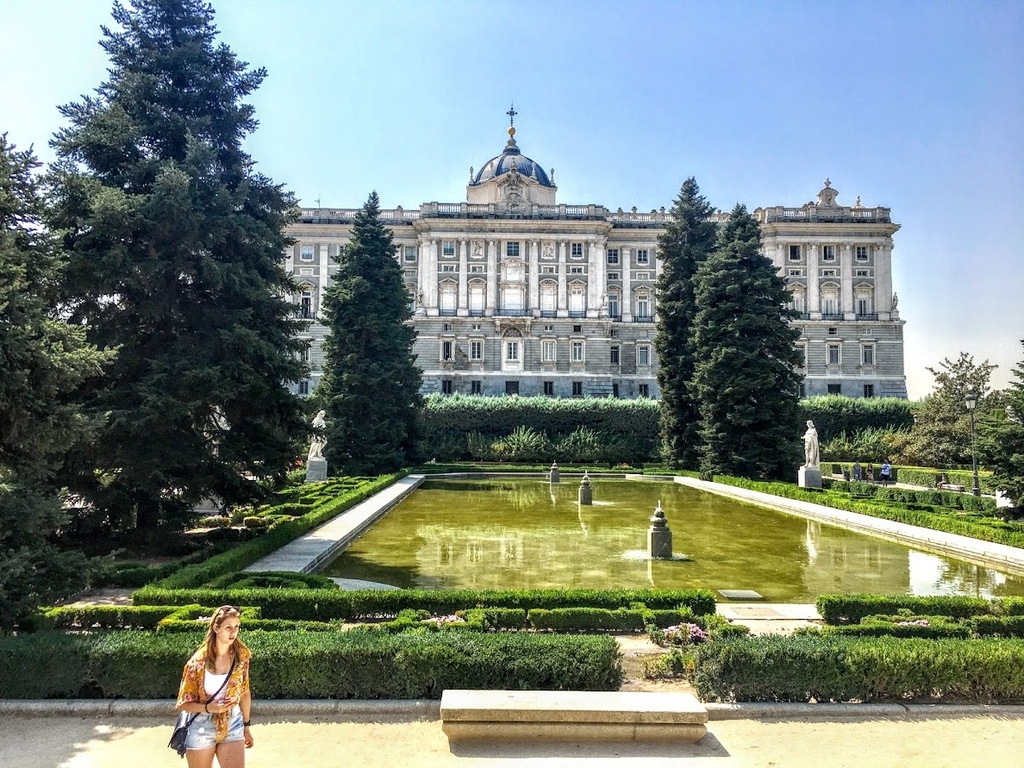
x,y
514,293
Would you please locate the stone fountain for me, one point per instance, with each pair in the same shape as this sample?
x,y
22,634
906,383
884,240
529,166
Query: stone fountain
x,y
659,537
586,493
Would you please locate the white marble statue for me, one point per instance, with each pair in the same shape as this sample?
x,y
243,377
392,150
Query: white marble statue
x,y
812,455
316,447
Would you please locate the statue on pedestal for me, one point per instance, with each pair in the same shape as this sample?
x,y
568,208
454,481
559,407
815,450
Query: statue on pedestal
x,y
812,452
316,447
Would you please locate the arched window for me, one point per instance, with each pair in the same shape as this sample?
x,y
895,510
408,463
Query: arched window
x,y
577,300
642,312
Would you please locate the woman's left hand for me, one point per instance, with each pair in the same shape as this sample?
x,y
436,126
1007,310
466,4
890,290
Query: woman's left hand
x,y
247,735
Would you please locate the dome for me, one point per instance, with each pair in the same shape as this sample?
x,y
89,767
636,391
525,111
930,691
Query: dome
x,y
503,163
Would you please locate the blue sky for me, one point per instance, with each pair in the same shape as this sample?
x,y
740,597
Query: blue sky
x,y
918,106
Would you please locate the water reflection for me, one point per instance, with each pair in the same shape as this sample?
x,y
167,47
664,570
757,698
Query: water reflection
x,y
528,533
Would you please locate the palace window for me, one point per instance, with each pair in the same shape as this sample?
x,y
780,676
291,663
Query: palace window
x,y
577,329
449,267
577,389
474,387
834,389
613,255
643,355
862,253
306,271
547,351
476,350
512,249
833,331
577,250
448,248
476,268
614,276
549,388
549,269
868,354
615,389
577,352
448,326
643,390
869,390
833,354
613,355
613,305
549,327
306,252
446,386
828,253
828,273
447,350
304,387
862,273
512,351
410,253
643,256
576,270
642,276
795,253
796,273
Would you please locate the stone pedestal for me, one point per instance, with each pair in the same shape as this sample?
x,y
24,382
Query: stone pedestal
x,y
553,477
809,477
659,537
316,470
586,493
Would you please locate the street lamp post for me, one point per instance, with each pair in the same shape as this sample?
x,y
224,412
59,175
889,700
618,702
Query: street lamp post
x,y
971,401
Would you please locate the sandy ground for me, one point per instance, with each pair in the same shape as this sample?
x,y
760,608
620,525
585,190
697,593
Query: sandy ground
x,y
934,742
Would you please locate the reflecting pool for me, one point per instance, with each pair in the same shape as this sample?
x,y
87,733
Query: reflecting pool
x,y
525,533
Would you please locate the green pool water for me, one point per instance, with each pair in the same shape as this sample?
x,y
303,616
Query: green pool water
x,y
525,533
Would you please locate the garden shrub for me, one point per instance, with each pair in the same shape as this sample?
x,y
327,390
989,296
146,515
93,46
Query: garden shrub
x,y
850,609
326,605
586,620
832,668
337,665
275,579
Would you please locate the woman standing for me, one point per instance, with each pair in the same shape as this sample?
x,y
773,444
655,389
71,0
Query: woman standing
x,y
215,687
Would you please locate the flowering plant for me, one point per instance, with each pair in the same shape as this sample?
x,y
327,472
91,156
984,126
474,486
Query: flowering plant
x,y
443,621
684,634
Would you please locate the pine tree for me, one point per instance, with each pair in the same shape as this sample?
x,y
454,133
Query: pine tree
x,y
175,244
42,361
370,387
688,238
745,379
1001,440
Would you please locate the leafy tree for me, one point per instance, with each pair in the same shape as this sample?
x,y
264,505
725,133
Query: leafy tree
x,y
1001,440
175,245
688,238
370,387
42,361
942,433
745,378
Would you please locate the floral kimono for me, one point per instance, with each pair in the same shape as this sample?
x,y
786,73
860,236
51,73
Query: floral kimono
x,y
193,689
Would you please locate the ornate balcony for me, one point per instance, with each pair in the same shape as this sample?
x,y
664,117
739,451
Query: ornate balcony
x,y
865,316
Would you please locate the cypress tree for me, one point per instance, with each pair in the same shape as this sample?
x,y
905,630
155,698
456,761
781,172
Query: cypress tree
x,y
370,387
688,238
42,361
175,247
745,378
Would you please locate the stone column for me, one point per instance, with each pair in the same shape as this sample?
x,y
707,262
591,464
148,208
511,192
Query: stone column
x,y
563,298
883,281
813,281
463,305
431,268
492,278
422,272
595,279
323,259
533,296
626,300
846,272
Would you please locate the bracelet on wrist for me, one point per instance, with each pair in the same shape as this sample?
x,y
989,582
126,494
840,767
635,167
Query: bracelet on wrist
x,y
245,723
206,708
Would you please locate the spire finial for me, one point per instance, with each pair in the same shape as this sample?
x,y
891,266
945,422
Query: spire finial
x,y
512,120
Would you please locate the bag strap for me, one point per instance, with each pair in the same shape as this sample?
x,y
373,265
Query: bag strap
x,y
216,693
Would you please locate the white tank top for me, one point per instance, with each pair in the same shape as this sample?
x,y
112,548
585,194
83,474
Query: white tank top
x,y
212,683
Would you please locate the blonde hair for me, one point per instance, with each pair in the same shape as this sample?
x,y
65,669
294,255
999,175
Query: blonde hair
x,y
209,645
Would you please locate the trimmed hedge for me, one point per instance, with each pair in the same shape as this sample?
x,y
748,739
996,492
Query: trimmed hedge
x,y
345,665
850,609
237,559
833,414
983,530
277,579
454,426
829,668
327,605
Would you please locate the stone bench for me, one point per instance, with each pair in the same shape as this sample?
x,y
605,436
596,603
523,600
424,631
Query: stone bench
x,y
572,716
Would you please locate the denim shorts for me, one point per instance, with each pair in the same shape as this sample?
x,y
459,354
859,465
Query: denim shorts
x,y
202,734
